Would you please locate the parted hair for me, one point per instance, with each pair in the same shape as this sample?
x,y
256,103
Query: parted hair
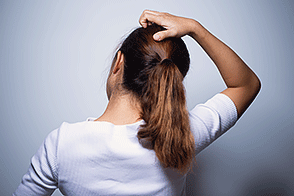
x,y
154,73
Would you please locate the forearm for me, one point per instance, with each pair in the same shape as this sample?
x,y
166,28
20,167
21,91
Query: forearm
x,y
233,70
242,84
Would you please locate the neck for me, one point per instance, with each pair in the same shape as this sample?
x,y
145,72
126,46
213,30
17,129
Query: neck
x,y
121,110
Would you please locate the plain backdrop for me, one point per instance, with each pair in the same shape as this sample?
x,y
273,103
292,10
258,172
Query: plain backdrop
x,y
54,60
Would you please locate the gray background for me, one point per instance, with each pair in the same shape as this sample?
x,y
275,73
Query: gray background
x,y
54,58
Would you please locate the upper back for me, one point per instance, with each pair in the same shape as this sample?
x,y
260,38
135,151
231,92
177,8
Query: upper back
x,y
99,157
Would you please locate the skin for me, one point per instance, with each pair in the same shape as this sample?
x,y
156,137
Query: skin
x,y
122,107
242,84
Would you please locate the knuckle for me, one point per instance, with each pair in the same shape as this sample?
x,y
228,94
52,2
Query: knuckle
x,y
146,11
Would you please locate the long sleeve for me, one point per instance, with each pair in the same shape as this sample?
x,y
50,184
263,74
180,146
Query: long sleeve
x,y
41,177
212,119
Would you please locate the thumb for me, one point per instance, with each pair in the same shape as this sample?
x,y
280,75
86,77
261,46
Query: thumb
x,y
161,35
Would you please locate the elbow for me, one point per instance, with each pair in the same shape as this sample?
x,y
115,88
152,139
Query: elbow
x,y
255,85
259,85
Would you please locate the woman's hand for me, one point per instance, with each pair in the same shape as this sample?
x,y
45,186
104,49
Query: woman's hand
x,y
176,26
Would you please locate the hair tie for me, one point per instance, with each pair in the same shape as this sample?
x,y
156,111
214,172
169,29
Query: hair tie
x,y
166,61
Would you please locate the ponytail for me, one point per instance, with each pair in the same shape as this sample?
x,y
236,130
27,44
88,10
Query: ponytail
x,y
166,117
158,86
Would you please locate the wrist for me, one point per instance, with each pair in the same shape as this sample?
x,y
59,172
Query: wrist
x,y
197,30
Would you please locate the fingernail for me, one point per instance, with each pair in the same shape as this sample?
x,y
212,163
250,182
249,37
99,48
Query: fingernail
x,y
157,37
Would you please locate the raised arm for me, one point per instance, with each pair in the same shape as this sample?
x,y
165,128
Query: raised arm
x,y
242,84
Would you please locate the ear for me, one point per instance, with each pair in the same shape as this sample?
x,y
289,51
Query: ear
x,y
118,63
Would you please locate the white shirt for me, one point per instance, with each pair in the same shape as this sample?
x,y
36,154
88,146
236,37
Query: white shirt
x,y
99,158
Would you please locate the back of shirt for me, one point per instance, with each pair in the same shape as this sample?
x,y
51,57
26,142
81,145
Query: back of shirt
x,y
99,158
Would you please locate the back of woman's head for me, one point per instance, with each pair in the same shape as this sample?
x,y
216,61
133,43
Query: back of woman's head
x,y
154,73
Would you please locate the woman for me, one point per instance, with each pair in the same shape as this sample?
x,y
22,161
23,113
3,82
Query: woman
x,y
145,141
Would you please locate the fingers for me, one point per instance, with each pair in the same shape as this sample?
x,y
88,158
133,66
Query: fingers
x,y
160,18
148,17
161,35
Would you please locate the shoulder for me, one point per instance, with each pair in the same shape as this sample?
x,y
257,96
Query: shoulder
x,y
73,128
64,134
74,135
210,120
219,108
71,131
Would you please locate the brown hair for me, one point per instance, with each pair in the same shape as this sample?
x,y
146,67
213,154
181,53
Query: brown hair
x,y
154,73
